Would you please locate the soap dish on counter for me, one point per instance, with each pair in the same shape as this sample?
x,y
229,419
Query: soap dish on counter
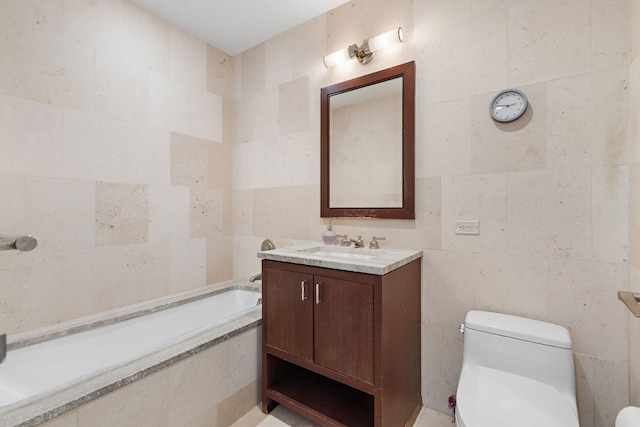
x,y
631,300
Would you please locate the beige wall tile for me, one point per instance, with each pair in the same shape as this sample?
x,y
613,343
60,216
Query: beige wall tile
x,y
474,56
582,133
548,40
289,204
444,139
610,189
634,105
188,265
634,342
549,213
253,70
611,390
448,290
97,23
441,363
475,197
205,115
584,389
188,59
60,212
146,38
111,156
238,404
12,194
503,147
219,72
142,403
428,214
245,359
168,213
634,216
513,285
60,70
293,103
32,137
197,384
122,214
579,292
433,15
256,116
206,212
610,33
122,88
168,103
633,24
220,260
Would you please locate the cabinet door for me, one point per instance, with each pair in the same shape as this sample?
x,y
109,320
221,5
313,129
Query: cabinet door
x,y
288,303
343,326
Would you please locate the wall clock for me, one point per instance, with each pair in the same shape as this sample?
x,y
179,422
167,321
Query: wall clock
x,y
508,105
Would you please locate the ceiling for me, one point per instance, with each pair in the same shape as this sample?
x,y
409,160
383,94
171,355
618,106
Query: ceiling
x,y
234,26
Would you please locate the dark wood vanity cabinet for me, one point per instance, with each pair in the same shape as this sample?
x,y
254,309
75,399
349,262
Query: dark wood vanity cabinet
x,y
339,347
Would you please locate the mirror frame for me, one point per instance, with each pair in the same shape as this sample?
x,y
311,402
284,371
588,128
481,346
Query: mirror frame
x,y
407,211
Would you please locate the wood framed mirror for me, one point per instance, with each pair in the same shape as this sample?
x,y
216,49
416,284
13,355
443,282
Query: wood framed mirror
x,y
367,143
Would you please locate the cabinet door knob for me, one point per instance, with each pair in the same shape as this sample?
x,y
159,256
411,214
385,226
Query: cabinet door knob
x,y
303,284
318,293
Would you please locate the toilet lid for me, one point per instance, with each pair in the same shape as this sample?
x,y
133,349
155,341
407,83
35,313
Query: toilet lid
x,y
490,398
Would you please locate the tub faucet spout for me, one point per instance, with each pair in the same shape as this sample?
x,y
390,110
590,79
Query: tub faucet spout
x,y
255,277
3,347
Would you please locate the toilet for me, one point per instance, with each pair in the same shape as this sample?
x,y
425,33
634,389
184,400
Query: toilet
x,y
515,372
628,417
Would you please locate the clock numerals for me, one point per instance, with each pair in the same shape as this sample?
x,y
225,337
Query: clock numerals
x,y
508,105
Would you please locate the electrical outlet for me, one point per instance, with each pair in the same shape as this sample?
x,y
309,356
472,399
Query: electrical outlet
x,y
467,226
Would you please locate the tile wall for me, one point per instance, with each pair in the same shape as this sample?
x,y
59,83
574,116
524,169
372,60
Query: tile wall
x,y
634,192
121,133
551,191
115,141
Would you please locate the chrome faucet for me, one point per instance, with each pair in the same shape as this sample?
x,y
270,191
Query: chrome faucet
x,y
255,277
3,347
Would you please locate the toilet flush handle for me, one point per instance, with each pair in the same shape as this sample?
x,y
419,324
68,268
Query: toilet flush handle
x,y
461,329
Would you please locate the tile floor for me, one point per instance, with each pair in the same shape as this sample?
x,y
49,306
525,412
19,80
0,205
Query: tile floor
x,y
283,417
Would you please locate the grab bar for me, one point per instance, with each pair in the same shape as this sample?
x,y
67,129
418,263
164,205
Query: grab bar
x,y
21,243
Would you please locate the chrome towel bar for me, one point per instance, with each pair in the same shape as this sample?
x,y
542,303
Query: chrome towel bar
x,y
21,243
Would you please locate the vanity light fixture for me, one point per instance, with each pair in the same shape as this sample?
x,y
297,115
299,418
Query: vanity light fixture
x,y
364,53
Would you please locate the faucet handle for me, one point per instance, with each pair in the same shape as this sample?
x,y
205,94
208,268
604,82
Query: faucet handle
x,y
373,244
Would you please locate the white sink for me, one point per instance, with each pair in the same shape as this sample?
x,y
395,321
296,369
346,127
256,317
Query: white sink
x,y
342,252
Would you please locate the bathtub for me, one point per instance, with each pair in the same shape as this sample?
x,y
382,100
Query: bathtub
x,y
49,372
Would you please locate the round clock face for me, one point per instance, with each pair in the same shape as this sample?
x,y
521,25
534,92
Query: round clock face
x,y
508,105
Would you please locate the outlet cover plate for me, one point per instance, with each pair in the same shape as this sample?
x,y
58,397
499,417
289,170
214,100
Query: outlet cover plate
x,y
467,226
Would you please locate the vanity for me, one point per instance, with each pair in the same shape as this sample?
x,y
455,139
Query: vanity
x,y
341,334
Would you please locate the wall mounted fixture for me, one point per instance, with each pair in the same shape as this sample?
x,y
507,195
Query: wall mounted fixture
x,y
364,53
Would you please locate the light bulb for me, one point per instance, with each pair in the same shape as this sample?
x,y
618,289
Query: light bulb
x,y
386,39
337,57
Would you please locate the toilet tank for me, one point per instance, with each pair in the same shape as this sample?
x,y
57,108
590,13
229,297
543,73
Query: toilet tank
x,y
526,347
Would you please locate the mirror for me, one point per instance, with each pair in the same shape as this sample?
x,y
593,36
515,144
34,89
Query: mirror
x,y
367,164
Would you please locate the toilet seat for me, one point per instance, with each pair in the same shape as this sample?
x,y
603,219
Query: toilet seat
x,y
491,398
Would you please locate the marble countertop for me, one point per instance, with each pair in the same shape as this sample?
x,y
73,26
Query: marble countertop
x,y
381,261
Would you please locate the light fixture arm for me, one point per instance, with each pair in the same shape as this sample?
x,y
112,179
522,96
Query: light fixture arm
x,y
363,53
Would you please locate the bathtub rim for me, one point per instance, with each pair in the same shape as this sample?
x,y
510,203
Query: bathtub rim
x,y
108,317
66,397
